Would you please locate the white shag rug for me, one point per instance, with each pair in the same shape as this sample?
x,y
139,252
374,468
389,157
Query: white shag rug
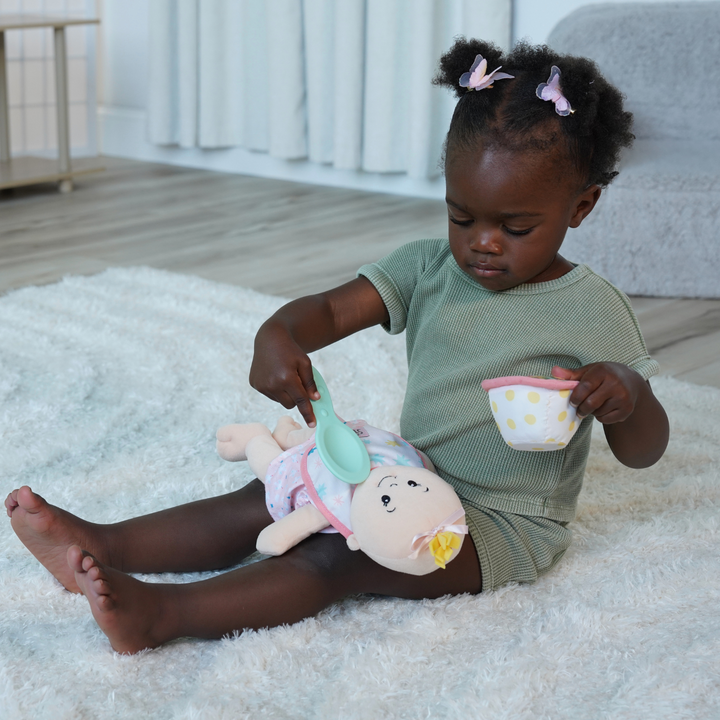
x,y
111,388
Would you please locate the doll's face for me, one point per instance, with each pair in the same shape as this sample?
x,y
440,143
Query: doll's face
x,y
396,503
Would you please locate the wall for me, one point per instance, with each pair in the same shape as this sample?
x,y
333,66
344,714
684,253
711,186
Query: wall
x,y
123,65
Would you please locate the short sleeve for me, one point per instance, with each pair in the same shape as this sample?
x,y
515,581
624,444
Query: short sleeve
x,y
613,333
396,276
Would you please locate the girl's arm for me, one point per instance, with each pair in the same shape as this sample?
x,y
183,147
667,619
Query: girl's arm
x,y
281,368
636,426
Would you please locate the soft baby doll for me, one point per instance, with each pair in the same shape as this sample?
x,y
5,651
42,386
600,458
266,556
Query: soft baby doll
x,y
404,516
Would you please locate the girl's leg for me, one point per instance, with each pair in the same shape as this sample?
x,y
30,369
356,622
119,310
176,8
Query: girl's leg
x,y
276,591
204,535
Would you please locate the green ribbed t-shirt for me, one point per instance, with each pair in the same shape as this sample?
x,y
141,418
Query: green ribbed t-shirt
x,y
458,334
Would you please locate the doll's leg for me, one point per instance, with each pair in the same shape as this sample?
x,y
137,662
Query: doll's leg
x,y
285,589
288,433
233,439
203,535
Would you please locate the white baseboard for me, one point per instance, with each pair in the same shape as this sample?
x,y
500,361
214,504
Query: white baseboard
x,y
123,134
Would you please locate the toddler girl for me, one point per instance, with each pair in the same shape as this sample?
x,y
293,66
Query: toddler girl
x,y
529,149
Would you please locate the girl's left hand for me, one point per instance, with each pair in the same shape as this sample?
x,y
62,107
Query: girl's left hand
x,y
607,390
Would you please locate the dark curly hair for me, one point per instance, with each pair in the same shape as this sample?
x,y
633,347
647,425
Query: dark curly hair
x,y
511,116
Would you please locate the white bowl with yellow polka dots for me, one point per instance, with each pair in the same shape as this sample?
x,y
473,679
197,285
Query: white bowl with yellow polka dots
x,y
533,413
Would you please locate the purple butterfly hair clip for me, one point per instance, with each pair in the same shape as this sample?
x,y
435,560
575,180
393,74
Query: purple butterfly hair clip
x,y
551,91
476,79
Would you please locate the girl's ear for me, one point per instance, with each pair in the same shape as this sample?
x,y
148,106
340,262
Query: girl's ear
x,y
584,204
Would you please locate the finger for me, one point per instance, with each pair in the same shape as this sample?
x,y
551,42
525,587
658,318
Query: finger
x,y
587,397
306,377
306,410
300,400
613,411
561,373
612,417
598,401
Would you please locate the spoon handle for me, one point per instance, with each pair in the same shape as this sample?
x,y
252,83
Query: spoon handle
x,y
323,406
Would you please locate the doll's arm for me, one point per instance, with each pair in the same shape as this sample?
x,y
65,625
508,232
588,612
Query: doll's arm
x,y
287,532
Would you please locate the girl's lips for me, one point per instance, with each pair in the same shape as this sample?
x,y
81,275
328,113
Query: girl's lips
x,y
486,270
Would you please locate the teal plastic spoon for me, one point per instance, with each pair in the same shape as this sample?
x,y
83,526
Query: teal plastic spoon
x,y
341,450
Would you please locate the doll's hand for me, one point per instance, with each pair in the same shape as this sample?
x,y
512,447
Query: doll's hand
x,y
282,371
607,390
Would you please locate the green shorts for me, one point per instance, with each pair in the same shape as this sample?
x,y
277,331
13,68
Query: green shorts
x,y
514,548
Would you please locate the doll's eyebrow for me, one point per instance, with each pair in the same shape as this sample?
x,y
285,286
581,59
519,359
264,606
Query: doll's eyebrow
x,y
385,478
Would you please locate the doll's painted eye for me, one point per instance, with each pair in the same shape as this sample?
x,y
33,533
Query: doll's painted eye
x,y
385,500
412,483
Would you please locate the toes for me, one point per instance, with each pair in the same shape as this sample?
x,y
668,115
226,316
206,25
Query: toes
x,y
28,500
105,603
75,558
11,502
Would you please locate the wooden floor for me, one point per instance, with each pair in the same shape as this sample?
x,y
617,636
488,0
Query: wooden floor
x,y
276,237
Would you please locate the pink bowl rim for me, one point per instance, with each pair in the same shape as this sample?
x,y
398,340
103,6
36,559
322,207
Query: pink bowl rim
x,y
549,384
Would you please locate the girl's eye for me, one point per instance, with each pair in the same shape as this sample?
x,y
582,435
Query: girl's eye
x,y
462,223
509,231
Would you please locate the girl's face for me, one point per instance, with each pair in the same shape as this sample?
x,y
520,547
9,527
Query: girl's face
x,y
509,213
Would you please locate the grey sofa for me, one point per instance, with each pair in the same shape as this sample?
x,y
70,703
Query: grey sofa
x,y
655,230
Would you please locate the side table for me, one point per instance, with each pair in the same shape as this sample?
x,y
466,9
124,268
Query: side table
x,y
29,170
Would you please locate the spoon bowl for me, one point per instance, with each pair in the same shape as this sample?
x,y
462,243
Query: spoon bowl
x,y
343,453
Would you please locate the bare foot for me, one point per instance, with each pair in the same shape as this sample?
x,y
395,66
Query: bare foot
x,y
48,531
128,611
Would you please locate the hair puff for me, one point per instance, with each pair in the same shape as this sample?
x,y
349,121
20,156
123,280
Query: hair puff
x,y
511,115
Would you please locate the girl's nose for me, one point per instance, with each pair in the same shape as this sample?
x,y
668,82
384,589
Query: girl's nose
x,y
487,240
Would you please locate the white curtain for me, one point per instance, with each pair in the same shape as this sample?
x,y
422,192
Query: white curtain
x,y
341,82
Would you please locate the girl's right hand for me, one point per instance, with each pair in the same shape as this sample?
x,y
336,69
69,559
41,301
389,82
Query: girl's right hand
x,y
281,368
282,371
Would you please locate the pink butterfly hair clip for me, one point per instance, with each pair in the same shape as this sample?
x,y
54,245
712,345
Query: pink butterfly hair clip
x,y
551,91
476,79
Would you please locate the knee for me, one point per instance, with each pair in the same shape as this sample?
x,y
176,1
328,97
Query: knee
x,y
327,557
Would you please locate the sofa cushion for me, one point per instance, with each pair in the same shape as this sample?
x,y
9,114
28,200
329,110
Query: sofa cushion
x,y
665,57
654,231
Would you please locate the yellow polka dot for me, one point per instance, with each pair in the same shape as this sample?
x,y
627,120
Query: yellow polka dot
x,y
562,416
530,419
538,448
549,440
510,394
534,397
561,444
498,424
564,393
494,406
572,426
511,424
510,444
